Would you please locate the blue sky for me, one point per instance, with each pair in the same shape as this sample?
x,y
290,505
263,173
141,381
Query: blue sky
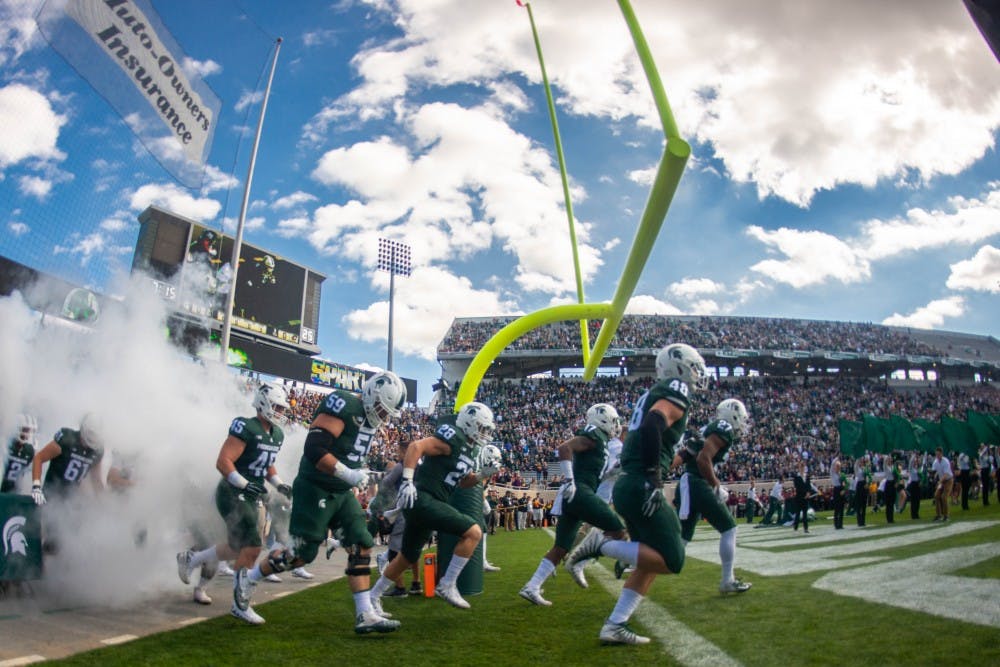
x,y
844,159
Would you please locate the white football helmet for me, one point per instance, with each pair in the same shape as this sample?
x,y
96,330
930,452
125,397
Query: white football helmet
x,y
490,456
733,412
383,396
682,361
27,429
92,431
604,418
476,421
271,402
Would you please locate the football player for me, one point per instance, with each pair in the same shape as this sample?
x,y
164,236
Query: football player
x,y
334,463
450,458
582,459
656,426
20,452
71,455
700,491
245,460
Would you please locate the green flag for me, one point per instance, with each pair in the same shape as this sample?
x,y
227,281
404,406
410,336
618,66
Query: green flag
x,y
983,427
931,435
901,434
850,436
959,435
873,434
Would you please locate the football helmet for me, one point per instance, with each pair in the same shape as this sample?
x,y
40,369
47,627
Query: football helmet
x,y
682,361
733,412
92,431
27,429
490,456
604,418
271,402
475,420
383,396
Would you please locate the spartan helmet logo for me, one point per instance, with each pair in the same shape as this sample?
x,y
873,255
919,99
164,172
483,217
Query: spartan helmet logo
x,y
14,541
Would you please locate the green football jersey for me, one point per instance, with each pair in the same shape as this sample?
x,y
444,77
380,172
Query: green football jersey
x,y
674,390
74,462
696,443
261,447
350,447
19,456
439,475
588,465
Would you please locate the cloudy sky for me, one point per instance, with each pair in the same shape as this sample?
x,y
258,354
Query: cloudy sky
x,y
844,159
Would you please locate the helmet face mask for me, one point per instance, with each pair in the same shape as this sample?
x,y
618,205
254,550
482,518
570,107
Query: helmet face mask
x,y
733,412
604,418
271,403
383,396
683,361
475,420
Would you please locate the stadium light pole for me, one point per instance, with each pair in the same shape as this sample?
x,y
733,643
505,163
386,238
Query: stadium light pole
x,y
227,321
393,257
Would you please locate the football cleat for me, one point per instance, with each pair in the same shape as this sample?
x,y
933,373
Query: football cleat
x,y
273,578
302,573
201,597
576,572
734,586
416,589
242,589
377,606
225,570
450,595
589,547
248,615
490,567
397,592
382,560
620,633
184,566
534,596
369,621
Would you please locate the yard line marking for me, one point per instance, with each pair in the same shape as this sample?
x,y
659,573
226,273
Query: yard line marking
x,y
120,639
923,583
678,640
23,660
282,594
823,533
192,620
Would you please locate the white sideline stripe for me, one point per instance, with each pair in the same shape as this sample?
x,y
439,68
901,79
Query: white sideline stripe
x,y
830,557
678,640
22,660
282,594
922,583
829,534
120,639
192,620
675,638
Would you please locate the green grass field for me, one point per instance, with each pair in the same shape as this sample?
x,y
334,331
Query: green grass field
x,y
812,603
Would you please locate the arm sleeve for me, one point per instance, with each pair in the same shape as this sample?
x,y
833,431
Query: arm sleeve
x,y
651,431
319,443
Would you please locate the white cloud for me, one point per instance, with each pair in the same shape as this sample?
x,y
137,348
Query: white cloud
x,y
176,200
691,287
812,258
930,316
31,126
18,228
117,222
89,246
17,29
421,317
248,98
319,37
643,304
981,272
200,68
35,186
294,200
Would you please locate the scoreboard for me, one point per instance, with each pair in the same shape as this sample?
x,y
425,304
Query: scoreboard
x,y
190,266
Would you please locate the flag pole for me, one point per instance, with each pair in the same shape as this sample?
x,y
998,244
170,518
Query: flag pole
x,y
227,321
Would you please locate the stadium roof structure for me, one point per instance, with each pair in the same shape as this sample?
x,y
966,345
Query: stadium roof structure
x,y
964,358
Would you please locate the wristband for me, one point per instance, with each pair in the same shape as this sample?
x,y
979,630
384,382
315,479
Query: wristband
x,y
567,469
408,473
237,480
36,483
275,480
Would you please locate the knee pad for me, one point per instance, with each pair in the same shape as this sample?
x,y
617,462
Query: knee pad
x,y
279,561
358,565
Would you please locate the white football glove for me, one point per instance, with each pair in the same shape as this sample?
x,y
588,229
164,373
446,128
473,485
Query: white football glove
x,y
355,477
407,495
37,494
568,490
654,495
721,493
487,472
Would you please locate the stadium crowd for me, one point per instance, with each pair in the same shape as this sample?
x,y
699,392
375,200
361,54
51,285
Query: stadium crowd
x,y
650,331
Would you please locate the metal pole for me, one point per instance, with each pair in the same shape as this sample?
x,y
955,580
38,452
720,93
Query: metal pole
x,y
227,321
392,289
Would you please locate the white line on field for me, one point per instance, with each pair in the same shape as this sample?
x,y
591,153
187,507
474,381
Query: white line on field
x,y
23,660
192,620
120,639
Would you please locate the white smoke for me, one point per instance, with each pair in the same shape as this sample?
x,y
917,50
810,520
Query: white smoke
x,y
162,412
